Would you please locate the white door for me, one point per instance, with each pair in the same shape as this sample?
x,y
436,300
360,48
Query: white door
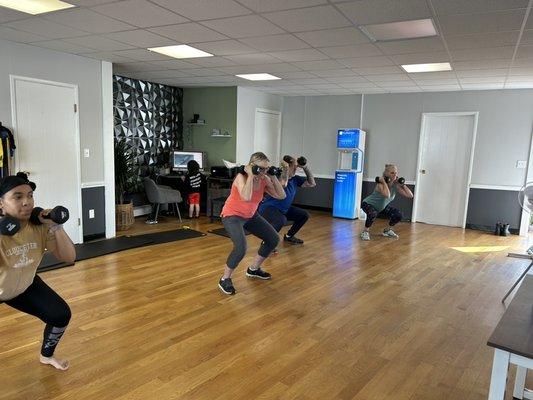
x,y
267,135
45,125
444,168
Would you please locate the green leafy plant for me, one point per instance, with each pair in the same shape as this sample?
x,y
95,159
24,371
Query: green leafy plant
x,y
125,171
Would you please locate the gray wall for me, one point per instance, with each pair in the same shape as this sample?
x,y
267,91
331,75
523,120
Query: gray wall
x,y
392,122
309,127
29,61
487,207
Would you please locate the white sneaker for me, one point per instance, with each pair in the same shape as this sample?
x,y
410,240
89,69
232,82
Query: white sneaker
x,y
365,235
390,233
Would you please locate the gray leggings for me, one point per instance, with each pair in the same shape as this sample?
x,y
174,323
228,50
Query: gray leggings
x,y
256,225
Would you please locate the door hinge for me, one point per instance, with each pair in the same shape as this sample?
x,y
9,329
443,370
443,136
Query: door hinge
x,y
79,222
75,108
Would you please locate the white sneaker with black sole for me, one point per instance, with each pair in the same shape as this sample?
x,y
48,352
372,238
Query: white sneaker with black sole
x,y
390,233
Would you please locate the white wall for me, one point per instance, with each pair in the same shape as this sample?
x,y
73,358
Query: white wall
x,y
29,61
247,101
392,122
310,124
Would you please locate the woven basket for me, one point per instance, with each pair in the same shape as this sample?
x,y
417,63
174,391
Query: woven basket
x,y
124,216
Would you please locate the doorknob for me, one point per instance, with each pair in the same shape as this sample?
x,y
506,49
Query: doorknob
x,y
423,171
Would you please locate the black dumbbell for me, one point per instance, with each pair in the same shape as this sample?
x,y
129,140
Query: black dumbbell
x,y
401,180
58,214
9,226
386,178
302,161
240,170
274,171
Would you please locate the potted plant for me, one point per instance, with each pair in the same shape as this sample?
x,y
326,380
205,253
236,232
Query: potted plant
x,y
125,180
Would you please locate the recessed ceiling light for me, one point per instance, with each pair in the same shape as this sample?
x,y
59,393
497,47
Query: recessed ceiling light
x,y
258,77
433,67
181,51
35,6
400,30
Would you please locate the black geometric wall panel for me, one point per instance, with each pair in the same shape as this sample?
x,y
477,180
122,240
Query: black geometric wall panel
x,y
148,116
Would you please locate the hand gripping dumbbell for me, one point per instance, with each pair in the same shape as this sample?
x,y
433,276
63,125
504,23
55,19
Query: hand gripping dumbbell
x,y
401,180
240,170
9,226
274,171
302,161
58,214
385,178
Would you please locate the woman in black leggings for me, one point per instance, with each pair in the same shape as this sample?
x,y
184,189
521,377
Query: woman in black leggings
x,y
240,213
20,255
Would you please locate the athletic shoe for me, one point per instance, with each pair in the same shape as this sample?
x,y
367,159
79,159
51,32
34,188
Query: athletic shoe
x,y
365,235
292,239
226,285
258,273
390,233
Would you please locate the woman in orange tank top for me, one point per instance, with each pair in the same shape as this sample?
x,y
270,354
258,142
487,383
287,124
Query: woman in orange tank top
x,y
240,213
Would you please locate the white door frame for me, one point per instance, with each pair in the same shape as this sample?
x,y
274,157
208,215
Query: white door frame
x,y
274,112
524,220
420,149
13,79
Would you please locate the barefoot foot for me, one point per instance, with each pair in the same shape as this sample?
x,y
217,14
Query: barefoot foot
x,y
54,362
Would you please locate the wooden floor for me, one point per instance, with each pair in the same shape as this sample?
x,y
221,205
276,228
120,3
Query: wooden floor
x,y
341,319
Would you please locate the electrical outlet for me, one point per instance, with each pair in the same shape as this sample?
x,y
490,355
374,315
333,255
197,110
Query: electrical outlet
x,y
86,153
521,164
91,214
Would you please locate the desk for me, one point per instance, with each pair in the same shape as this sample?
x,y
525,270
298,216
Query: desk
x,y
513,344
216,188
175,181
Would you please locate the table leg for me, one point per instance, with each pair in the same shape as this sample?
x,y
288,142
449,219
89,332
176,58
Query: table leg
x,y
498,379
520,382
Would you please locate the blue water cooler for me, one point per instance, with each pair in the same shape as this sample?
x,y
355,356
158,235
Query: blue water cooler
x,y
349,174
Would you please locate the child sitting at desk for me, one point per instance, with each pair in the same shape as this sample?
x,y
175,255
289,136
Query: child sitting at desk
x,y
193,181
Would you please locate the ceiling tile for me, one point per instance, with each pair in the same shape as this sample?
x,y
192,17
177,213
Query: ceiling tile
x,y
520,78
45,29
296,75
108,56
358,85
484,64
89,3
421,58
411,46
198,10
139,13
482,86
307,19
389,78
347,79
483,53
18,36
440,88
253,69
521,71
524,51
392,69
477,40
7,15
212,62
99,43
262,6
188,33
171,64
333,37
333,73
203,71
396,84
427,76
225,47
65,47
523,62
359,50
443,7
527,37
318,65
486,79
378,61
275,42
519,85
140,38
312,81
137,66
364,12
141,55
88,20
169,73
251,59
434,82
241,27
299,55
483,22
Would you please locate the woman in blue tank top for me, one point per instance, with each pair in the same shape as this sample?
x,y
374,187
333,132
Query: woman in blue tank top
x,y
378,202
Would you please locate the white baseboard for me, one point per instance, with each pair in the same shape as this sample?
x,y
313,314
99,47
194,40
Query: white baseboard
x,y
142,210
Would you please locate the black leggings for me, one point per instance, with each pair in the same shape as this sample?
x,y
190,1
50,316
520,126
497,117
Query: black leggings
x,y
256,225
277,219
393,214
42,302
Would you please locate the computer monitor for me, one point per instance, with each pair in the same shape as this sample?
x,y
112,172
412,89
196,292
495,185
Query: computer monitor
x,y
179,159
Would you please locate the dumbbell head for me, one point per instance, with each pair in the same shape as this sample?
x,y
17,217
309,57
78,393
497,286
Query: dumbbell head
x,y
274,171
255,170
58,214
401,181
302,161
386,178
9,226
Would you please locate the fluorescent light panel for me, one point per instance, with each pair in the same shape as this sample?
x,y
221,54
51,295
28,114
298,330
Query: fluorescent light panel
x,y
400,30
181,51
258,77
433,67
35,6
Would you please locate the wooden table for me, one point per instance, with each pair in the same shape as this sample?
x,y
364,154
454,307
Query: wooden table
x,y
513,344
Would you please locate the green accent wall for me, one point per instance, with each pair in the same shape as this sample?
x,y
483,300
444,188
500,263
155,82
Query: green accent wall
x,y
218,107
